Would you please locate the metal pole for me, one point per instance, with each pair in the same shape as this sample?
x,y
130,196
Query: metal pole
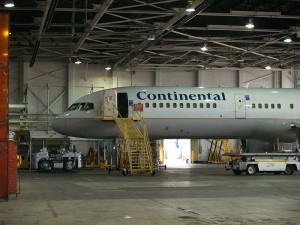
x,y
30,156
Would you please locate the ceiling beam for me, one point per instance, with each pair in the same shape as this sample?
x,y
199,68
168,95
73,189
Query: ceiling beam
x,y
93,24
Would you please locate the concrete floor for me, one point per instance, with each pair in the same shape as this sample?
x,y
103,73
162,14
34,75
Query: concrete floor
x,y
201,194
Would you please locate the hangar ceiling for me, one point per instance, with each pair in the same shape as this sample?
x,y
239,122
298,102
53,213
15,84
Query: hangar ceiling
x,y
116,32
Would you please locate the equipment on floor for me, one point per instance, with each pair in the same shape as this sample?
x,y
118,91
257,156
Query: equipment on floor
x,y
252,163
66,160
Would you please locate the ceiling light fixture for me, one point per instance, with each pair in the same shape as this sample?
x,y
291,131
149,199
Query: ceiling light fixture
x,y
107,68
204,48
267,67
240,59
9,3
77,62
287,39
151,37
190,7
250,24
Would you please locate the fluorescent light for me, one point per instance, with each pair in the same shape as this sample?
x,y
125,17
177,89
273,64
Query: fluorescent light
x,y
77,61
250,24
268,67
107,68
204,48
9,4
240,59
190,7
151,37
287,39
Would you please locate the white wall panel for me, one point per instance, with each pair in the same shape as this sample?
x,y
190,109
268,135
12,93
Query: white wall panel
x,y
40,78
257,78
219,78
126,78
88,78
288,79
189,79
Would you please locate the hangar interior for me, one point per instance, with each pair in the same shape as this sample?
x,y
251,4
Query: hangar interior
x,y
145,43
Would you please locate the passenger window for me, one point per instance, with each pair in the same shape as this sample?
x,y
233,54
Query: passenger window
x,y
147,105
214,105
266,106
168,105
208,105
89,106
201,105
181,105
73,106
273,106
279,106
291,106
259,105
194,105
161,105
253,105
154,105
188,105
174,105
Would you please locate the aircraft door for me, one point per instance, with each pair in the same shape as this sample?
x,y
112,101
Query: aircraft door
x,y
123,105
109,104
240,107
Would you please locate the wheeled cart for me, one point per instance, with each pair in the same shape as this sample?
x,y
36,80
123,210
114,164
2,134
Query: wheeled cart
x,y
252,163
65,160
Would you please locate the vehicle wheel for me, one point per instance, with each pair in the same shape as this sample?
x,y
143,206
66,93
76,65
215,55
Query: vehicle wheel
x,y
125,172
251,170
69,165
289,170
44,166
237,172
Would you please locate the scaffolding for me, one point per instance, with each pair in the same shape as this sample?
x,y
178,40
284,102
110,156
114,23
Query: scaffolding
x,y
217,148
135,152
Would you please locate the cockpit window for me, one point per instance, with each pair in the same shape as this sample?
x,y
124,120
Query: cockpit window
x,y
81,106
89,106
73,106
84,106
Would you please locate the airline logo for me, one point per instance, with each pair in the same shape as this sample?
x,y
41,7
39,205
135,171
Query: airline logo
x,y
144,95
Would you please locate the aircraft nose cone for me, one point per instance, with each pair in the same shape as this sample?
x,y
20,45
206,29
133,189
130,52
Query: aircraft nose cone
x,y
58,125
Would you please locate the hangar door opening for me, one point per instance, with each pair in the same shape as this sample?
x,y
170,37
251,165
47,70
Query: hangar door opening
x,y
177,152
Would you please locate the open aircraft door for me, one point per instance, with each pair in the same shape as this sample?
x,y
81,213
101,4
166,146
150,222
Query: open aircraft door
x,y
109,107
240,106
123,105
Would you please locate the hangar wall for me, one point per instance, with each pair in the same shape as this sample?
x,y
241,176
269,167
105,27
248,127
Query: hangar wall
x,y
49,88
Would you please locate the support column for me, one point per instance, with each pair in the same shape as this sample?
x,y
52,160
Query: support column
x,y
71,71
4,56
157,78
277,79
200,82
240,78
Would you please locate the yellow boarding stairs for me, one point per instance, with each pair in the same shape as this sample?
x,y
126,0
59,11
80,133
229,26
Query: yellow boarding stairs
x,y
217,148
135,150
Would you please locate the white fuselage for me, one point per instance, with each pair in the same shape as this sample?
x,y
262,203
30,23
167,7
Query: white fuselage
x,y
189,112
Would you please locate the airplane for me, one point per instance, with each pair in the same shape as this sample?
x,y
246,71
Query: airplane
x,y
188,112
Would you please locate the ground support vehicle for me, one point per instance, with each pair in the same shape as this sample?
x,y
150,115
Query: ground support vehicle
x,y
66,160
252,163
